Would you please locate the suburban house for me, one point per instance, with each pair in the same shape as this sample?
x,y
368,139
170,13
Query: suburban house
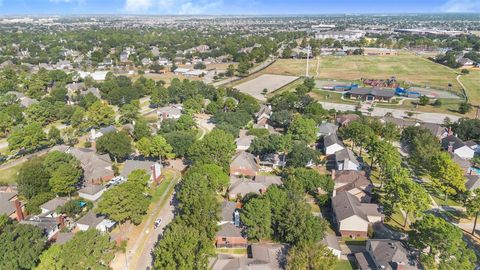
x,y
230,234
170,112
239,187
96,168
25,101
332,144
181,71
94,135
51,206
345,159
10,205
454,145
50,225
346,119
262,116
154,169
63,237
354,182
92,192
269,162
436,130
465,164
260,256
371,94
244,164
472,144
94,221
353,217
331,242
384,254
326,129
473,182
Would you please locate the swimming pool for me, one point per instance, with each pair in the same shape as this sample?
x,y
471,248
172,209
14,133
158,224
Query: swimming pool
x,y
475,170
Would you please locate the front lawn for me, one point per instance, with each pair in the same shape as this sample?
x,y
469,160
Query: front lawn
x,y
234,251
343,265
8,176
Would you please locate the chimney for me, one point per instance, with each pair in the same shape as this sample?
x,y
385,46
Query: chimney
x,y
61,221
238,205
333,174
450,132
450,147
92,133
18,209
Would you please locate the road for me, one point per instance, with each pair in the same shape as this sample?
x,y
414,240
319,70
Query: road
x,y
436,118
139,249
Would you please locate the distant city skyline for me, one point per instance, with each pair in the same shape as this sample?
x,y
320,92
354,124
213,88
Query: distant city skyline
x,y
236,7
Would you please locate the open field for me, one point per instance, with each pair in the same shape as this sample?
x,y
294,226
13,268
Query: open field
x,y
8,176
472,86
270,82
408,68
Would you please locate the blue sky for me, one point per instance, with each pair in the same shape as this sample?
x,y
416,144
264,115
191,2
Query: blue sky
x,y
13,7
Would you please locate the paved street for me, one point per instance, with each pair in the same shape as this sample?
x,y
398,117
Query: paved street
x,y
139,249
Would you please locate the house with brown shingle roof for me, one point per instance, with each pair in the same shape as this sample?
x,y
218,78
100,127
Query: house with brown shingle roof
x,y
244,164
354,182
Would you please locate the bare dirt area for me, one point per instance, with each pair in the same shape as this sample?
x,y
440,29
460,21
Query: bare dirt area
x,y
270,82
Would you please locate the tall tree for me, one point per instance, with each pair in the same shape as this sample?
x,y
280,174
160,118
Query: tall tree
x,y
310,256
32,179
100,114
257,217
117,144
217,147
447,175
20,246
473,207
303,129
28,138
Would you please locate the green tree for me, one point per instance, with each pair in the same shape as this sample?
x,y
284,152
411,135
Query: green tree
x,y
141,129
65,179
20,246
473,207
217,147
29,138
310,256
390,132
443,244
256,215
126,202
129,113
180,141
303,129
78,117
86,250
301,155
54,136
117,144
156,146
100,114
212,174
447,175
32,178
182,248
424,100
464,107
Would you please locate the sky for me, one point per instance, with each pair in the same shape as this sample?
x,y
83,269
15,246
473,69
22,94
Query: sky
x,y
233,7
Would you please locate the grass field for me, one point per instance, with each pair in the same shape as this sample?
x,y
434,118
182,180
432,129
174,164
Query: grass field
x,y
342,265
8,176
472,86
408,68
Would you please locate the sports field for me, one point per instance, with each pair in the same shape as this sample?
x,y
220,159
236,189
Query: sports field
x,y
408,68
270,82
472,86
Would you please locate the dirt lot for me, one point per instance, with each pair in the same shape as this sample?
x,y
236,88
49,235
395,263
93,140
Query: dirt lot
x,y
266,81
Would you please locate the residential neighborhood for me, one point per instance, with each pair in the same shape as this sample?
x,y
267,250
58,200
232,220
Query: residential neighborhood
x,y
153,135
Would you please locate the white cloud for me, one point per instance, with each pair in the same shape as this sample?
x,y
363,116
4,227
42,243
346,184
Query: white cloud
x,y
461,6
174,6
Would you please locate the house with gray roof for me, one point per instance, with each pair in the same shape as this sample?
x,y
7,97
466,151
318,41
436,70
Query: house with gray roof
x,y
473,182
353,217
345,159
51,206
331,242
263,116
154,169
455,145
371,94
244,164
92,192
94,134
332,144
10,205
25,101
260,257
96,168
173,111
244,141
50,225
94,221
230,233
326,129
239,187
384,254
